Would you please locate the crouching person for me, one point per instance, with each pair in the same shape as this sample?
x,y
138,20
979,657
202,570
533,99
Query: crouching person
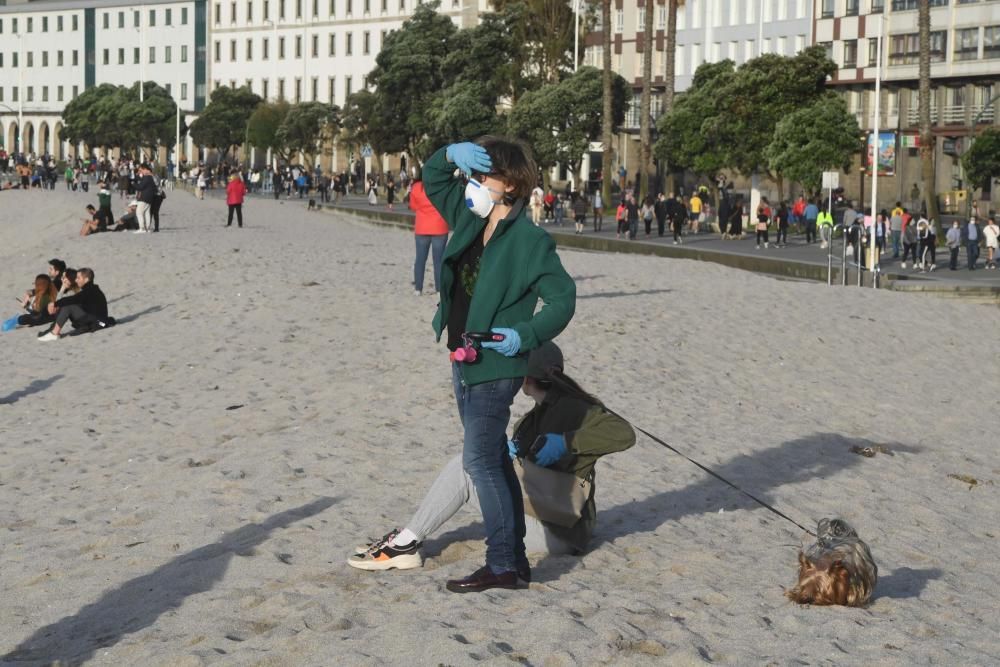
x,y
87,310
555,447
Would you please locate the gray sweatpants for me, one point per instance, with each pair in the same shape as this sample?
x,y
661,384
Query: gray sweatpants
x,y
451,490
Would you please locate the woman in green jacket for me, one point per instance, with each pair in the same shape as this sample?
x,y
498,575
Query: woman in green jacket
x,y
564,413
497,266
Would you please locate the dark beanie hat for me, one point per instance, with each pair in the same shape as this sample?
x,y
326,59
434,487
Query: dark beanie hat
x,y
543,359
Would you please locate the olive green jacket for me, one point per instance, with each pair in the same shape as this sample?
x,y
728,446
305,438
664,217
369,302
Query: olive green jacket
x,y
519,267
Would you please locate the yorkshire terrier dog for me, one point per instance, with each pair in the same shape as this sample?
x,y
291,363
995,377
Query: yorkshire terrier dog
x,y
837,569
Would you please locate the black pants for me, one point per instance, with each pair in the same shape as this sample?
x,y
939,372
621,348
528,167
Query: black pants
x,y
239,214
810,231
661,224
761,234
782,234
909,248
154,213
80,318
953,264
677,224
598,219
649,225
34,319
277,191
928,249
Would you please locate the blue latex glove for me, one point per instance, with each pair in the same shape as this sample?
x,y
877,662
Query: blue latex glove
x,y
512,449
509,346
469,157
553,450
10,323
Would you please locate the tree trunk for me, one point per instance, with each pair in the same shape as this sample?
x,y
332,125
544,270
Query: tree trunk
x,y
645,149
926,138
606,120
668,75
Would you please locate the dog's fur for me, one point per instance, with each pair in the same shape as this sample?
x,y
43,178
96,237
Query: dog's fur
x,y
312,205
837,569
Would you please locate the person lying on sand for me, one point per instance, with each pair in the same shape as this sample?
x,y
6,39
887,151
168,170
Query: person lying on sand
x,y
566,432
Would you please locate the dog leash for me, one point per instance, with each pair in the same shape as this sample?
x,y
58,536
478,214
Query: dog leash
x,y
714,474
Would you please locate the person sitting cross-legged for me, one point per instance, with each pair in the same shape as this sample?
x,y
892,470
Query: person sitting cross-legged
x,y
566,432
87,310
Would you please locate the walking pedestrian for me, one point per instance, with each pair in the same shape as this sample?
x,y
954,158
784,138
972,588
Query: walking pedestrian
x,y
660,211
579,211
991,232
782,217
811,214
648,213
632,211
972,238
430,232
598,210
825,222
154,207
953,239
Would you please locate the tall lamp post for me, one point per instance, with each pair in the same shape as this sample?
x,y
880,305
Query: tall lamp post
x,y
874,257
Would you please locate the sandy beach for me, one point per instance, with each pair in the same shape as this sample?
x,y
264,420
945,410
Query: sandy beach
x,y
183,489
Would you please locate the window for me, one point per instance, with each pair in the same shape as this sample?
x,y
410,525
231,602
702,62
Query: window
x,y
281,47
121,19
59,93
267,15
333,8
31,91
872,52
167,17
331,88
826,9
45,93
14,59
136,56
967,44
349,44
368,7
13,94
749,50
281,89
900,5
366,39
249,50
619,21
298,46
878,6
783,46
232,12
152,17
59,58
136,19
333,44
298,9
402,5
59,24
782,10
350,6
767,7
232,50
45,58
106,57
218,52
264,88
31,24
169,89
385,6
828,49
1,93
850,53
991,41
905,49
166,54
281,17
347,87
800,43
218,13
640,22
184,53
315,46
264,44
184,17
121,56
76,58
152,55
184,91
315,88
106,22
31,59
76,91
765,45
315,8
852,8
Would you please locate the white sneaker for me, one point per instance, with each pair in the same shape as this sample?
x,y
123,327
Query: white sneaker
x,y
903,265
49,336
933,266
139,231
417,292
765,244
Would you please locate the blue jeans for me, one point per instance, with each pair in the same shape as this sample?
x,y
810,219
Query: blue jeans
x,y
896,236
972,253
425,242
485,412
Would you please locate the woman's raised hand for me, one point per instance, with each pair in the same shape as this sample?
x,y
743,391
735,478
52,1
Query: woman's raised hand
x,y
469,157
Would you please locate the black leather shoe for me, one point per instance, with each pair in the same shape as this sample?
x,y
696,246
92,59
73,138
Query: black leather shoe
x,y
524,573
481,580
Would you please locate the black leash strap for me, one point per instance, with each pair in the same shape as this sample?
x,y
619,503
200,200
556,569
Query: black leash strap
x,y
719,477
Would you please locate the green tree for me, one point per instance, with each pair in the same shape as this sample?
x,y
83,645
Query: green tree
x,y
814,139
982,161
559,120
149,123
306,127
688,138
546,34
263,124
465,109
223,123
408,74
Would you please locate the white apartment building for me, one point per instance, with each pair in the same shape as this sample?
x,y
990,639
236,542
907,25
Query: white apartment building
x,y
309,50
707,31
52,50
965,80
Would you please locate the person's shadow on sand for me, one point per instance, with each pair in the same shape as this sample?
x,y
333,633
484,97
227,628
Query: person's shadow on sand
x,y
822,455
137,604
33,388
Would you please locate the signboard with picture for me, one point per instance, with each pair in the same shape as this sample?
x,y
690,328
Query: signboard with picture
x,y
886,153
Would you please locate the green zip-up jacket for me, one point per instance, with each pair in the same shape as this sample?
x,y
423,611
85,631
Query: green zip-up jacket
x,y
518,267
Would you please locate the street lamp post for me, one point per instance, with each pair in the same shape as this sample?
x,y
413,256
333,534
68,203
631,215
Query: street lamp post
x,y
874,257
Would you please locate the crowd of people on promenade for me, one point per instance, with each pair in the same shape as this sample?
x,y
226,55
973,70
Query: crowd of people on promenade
x,y
62,296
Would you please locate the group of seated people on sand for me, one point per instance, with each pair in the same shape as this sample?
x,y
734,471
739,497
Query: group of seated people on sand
x,y
101,219
61,296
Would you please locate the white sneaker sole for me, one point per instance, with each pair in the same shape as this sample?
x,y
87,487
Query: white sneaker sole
x,y
404,562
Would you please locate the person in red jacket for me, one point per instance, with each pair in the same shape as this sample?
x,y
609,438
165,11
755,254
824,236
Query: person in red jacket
x,y
431,233
235,192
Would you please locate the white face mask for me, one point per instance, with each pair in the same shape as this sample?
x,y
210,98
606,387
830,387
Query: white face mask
x,y
478,198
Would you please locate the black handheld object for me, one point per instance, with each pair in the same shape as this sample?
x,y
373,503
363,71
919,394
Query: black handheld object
x,y
482,336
